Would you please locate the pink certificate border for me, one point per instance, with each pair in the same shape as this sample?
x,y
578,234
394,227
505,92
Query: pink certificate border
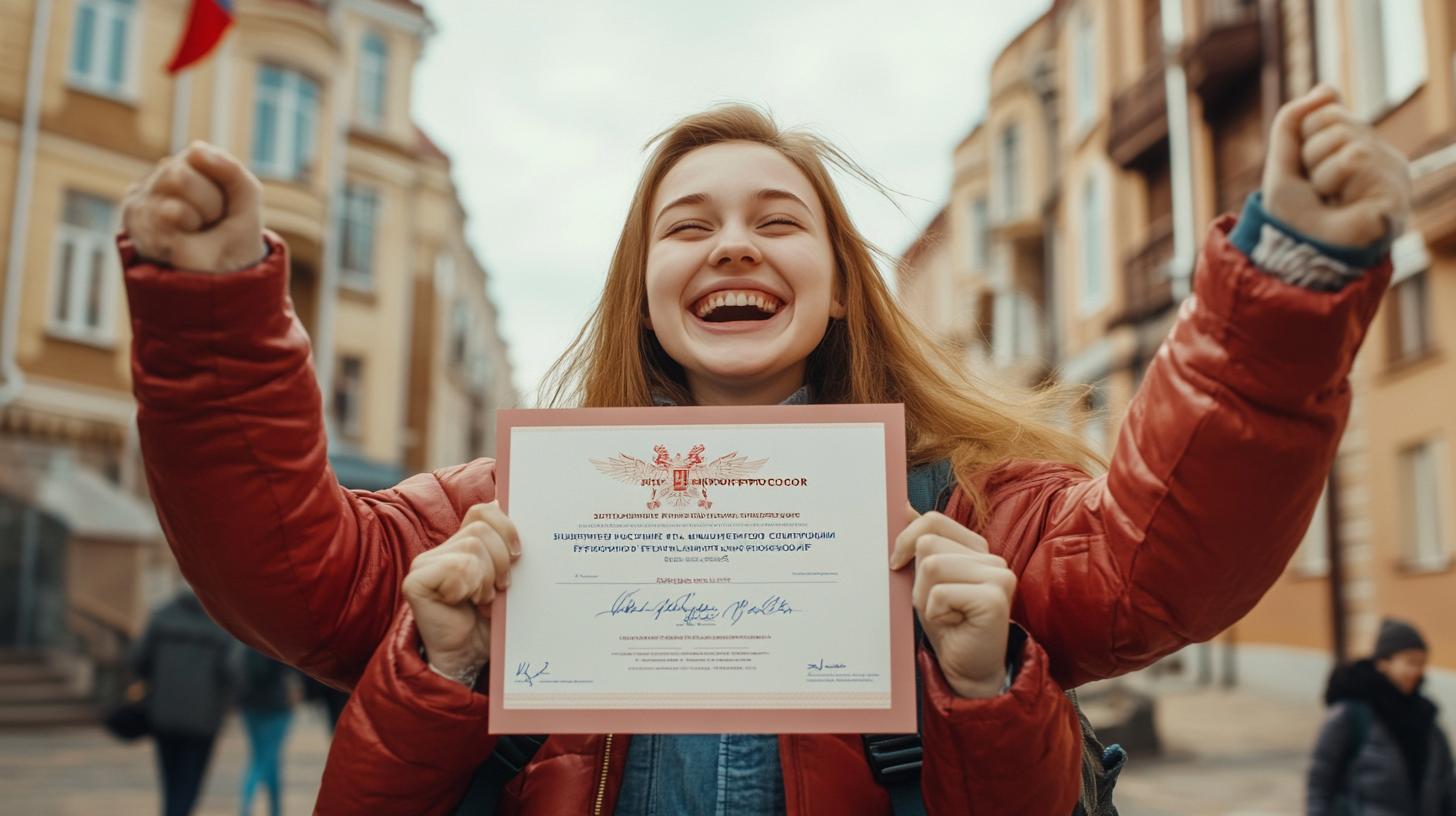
x,y
898,718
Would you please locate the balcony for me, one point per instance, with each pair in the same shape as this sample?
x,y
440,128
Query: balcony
x,y
1139,121
1226,49
1147,289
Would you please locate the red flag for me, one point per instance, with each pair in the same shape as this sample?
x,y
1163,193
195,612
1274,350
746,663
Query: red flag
x,y
206,23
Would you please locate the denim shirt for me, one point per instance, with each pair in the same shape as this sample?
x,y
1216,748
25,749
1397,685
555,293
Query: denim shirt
x,y
704,774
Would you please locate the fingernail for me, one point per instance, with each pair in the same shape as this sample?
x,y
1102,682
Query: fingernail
x,y
514,545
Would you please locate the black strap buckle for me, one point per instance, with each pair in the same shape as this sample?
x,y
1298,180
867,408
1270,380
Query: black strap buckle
x,y
894,759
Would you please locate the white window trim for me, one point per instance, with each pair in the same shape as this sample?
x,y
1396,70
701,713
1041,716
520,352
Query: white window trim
x,y
1008,197
103,335
1312,558
1089,302
286,165
1370,76
354,427
126,91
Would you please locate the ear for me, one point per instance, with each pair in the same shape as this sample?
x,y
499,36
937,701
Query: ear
x,y
836,307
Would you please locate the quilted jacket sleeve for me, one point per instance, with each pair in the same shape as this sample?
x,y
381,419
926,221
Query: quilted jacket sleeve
x,y
409,740
1217,470
232,434
978,752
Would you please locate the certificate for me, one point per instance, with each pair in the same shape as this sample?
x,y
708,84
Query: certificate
x,y
703,570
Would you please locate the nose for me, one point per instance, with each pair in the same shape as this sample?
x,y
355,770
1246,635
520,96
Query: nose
x,y
734,247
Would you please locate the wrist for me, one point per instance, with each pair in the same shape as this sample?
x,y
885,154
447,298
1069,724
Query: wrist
x,y
465,670
979,688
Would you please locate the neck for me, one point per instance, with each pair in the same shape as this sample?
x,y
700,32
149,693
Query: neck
x,y
768,391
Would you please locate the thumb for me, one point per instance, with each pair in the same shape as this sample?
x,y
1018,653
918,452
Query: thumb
x,y
1285,138
241,191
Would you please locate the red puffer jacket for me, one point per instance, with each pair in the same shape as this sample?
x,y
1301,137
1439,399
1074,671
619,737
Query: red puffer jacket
x,y
1216,475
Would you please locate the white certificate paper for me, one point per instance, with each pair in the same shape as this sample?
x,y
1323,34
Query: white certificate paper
x,y
704,570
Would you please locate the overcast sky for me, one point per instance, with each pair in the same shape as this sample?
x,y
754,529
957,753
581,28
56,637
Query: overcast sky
x,y
544,108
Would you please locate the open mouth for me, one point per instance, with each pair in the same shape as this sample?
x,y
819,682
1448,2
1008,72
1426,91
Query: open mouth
x,y
731,305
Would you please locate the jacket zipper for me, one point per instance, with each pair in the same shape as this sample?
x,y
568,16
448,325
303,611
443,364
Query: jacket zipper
x,y
602,785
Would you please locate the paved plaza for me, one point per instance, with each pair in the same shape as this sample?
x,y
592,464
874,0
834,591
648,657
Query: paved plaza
x,y
1229,754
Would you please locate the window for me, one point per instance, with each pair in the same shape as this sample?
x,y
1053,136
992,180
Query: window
x,y
1016,327
1010,171
373,75
1423,486
348,401
980,234
361,205
1084,69
83,287
102,46
1313,556
445,275
459,333
284,120
1391,37
1094,246
1408,305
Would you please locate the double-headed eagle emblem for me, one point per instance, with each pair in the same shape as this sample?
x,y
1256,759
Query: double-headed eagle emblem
x,y
675,478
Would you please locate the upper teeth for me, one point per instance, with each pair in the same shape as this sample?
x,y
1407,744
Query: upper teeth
x,y
737,297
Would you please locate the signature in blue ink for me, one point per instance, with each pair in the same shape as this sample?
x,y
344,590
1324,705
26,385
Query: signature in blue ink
x,y
525,674
688,608
822,666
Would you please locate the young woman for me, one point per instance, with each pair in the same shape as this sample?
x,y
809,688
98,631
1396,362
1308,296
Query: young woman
x,y
1216,474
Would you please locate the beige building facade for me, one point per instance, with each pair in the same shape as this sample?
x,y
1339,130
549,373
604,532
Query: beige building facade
x,y
1115,132
315,98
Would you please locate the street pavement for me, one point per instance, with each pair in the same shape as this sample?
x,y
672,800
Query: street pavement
x,y
1228,754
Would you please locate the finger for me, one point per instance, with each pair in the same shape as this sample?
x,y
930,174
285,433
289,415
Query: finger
x,y
1327,116
241,190
451,578
953,603
1285,134
945,568
934,524
1331,175
481,541
174,214
903,550
491,514
182,180
1323,144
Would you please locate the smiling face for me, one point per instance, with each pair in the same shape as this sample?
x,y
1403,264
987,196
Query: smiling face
x,y
740,272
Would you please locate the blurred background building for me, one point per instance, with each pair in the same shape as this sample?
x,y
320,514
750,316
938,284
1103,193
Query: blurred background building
x,y
315,97
1116,131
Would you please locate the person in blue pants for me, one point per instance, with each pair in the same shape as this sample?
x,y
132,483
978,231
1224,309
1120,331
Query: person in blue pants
x,y
267,694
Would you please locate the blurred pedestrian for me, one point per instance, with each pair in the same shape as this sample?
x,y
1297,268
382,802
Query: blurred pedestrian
x,y
331,699
267,693
184,660
1380,751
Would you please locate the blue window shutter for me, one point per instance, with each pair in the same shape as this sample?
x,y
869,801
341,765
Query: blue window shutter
x,y
116,56
84,39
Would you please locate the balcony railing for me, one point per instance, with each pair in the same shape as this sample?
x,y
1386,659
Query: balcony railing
x,y
1139,120
1147,289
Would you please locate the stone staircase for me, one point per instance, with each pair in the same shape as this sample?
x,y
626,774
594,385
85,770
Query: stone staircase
x,y
44,689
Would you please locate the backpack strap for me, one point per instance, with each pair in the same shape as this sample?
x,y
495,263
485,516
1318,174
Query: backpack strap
x,y
513,752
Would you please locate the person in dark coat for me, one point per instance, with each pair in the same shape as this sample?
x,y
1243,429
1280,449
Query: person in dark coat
x,y
187,663
267,692
1381,751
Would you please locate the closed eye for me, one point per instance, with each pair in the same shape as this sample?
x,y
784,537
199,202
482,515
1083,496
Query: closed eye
x,y
686,225
784,220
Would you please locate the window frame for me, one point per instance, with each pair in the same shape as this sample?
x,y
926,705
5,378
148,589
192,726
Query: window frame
x,y
1084,70
1009,150
1417,554
355,198
96,80
1373,77
1410,282
67,321
286,163
373,82
350,427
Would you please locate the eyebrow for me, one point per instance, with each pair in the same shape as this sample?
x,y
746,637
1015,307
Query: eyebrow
x,y
766,194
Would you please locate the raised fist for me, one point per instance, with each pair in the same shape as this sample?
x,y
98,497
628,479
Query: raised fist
x,y
1330,177
200,210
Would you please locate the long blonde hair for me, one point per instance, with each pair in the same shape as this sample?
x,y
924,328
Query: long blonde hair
x,y
874,355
